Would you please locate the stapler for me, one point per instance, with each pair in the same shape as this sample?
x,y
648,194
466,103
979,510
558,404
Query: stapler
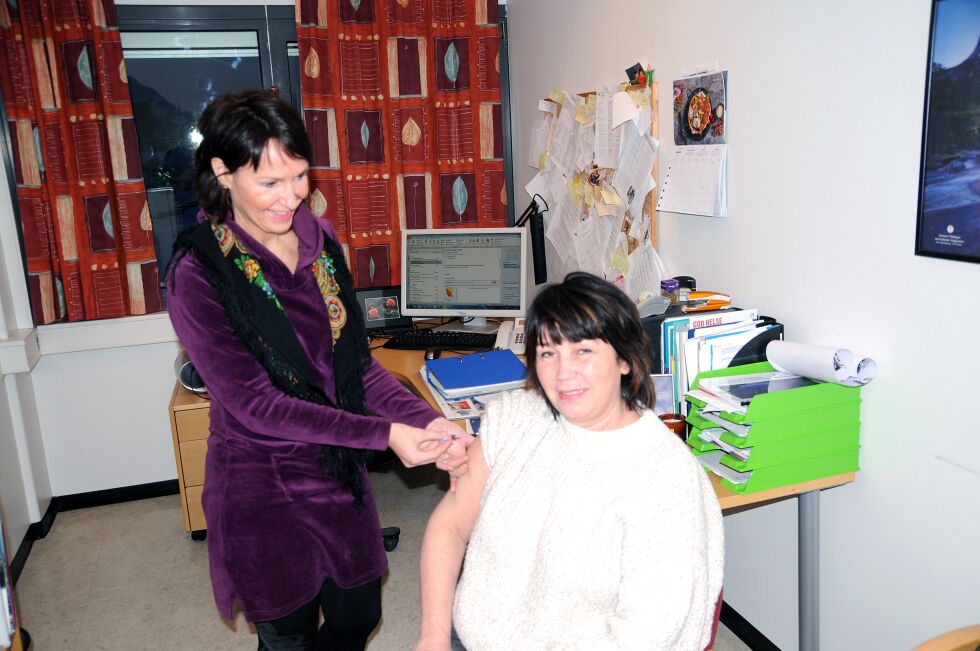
x,y
703,301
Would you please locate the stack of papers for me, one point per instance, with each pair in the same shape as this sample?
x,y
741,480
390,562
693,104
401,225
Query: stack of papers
x,y
734,393
476,373
464,408
700,342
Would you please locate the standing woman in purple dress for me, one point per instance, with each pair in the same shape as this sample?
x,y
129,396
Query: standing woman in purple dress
x,y
261,297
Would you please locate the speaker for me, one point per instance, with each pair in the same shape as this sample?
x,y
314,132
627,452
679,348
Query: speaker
x,y
535,220
537,249
187,375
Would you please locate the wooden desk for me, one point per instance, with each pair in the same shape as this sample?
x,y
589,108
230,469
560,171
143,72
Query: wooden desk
x,y
189,425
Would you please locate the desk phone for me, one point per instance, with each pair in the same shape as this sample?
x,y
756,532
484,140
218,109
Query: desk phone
x,y
510,334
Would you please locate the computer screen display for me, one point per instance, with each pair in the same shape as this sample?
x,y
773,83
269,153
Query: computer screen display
x,y
465,272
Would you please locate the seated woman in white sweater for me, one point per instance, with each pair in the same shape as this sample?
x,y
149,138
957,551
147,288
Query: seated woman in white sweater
x,y
585,523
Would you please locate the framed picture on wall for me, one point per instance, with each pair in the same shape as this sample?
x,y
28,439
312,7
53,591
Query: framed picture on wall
x,y
949,185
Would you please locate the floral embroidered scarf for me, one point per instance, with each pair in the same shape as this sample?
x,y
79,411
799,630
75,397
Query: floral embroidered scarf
x,y
264,329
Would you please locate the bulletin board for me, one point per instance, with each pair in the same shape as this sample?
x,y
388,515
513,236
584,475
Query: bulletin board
x,y
599,182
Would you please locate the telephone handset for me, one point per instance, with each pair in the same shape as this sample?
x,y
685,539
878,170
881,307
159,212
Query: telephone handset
x,y
510,334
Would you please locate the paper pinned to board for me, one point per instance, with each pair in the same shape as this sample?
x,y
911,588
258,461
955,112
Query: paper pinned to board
x,y
606,138
623,108
824,363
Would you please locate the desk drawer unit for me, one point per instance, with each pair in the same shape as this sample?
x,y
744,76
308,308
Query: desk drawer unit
x,y
189,421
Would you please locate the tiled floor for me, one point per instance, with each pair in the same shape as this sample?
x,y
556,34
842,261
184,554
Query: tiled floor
x,y
127,577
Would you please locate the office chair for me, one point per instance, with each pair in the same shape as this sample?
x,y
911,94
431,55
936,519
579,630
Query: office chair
x,y
962,639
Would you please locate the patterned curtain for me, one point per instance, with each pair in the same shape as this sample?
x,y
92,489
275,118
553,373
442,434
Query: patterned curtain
x,y
83,210
402,102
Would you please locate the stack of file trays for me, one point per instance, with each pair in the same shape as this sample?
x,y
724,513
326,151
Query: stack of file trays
x,y
783,438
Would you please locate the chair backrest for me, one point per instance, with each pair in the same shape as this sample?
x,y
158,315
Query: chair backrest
x,y
714,624
962,639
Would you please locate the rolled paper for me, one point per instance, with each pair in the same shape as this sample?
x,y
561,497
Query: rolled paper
x,y
823,363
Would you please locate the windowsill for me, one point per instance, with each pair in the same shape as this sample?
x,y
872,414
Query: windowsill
x,y
19,353
106,333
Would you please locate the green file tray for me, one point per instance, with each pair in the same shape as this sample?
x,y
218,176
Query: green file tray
x,y
794,472
786,413
767,429
696,444
801,470
794,448
782,450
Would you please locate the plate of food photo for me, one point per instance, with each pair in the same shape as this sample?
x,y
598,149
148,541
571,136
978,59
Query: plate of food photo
x,y
697,114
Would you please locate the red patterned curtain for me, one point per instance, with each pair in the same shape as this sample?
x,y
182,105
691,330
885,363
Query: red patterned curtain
x,y
402,102
86,226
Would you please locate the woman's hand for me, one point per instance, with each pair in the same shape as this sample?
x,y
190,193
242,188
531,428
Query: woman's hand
x,y
453,460
415,446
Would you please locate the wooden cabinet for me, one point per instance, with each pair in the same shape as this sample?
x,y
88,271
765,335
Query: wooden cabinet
x,y
189,421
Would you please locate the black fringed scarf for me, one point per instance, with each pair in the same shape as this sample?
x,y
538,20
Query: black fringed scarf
x,y
263,327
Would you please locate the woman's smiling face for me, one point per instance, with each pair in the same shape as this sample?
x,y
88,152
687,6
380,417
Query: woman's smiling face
x,y
582,381
264,199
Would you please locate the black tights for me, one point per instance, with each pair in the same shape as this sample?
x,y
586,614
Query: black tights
x,y
349,616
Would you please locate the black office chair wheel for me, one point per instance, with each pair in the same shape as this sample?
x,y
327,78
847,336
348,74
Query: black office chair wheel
x,y
199,535
390,537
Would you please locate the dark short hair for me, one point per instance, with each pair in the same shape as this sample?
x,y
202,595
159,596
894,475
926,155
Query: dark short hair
x,y
584,306
236,128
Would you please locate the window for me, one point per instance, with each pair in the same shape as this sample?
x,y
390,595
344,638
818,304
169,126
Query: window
x,y
178,59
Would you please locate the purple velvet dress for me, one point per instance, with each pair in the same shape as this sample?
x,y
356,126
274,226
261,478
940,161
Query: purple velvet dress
x,y
278,525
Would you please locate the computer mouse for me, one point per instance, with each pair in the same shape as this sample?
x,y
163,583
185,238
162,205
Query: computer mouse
x,y
433,353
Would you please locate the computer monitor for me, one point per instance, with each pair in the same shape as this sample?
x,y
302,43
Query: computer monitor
x,y
471,273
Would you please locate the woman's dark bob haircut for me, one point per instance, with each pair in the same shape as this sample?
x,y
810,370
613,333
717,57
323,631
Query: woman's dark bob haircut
x,y
584,306
236,128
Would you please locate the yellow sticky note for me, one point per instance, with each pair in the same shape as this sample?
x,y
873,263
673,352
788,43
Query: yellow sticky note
x,y
557,95
610,197
575,189
619,260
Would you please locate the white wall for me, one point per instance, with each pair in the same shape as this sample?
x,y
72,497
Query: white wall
x,y
104,416
824,121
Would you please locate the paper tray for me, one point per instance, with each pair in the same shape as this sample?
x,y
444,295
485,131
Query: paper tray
x,y
780,450
804,422
791,411
794,472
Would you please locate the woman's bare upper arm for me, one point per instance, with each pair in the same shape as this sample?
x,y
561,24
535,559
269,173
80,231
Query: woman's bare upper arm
x,y
461,508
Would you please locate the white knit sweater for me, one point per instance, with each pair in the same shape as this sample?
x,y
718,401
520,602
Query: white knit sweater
x,y
588,540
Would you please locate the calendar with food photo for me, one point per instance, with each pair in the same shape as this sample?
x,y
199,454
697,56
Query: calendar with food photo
x,y
699,109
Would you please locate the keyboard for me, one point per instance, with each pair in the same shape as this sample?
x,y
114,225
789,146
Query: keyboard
x,y
441,340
